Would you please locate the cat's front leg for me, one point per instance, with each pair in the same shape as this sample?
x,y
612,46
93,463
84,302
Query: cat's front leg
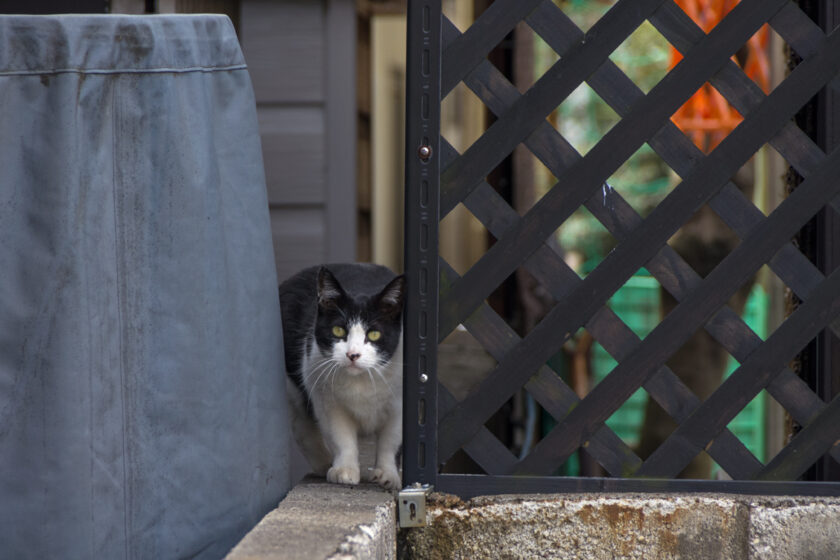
x,y
341,432
388,440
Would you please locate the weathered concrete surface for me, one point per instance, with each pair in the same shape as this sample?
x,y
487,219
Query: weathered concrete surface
x,y
327,521
627,526
320,520
805,529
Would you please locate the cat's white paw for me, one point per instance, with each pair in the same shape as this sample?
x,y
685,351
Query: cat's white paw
x,y
387,478
346,474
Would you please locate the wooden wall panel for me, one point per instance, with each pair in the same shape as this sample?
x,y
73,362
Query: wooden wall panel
x,y
301,58
293,153
341,137
299,236
284,46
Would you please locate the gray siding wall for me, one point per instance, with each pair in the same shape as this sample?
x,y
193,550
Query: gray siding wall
x,y
301,57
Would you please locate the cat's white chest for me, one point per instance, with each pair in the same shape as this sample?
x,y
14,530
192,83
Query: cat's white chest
x,y
369,396
365,401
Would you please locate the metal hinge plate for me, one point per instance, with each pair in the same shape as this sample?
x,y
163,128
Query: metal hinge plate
x,y
411,504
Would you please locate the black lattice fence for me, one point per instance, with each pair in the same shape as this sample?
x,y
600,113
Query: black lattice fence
x,y
439,178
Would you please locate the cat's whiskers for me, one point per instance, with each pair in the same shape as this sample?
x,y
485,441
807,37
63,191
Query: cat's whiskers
x,y
318,379
331,374
319,364
335,368
372,380
378,372
327,366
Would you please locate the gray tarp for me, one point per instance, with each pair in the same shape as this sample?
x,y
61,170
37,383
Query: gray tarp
x,y
141,386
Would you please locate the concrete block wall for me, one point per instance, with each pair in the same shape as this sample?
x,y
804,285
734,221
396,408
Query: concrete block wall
x,y
318,520
648,527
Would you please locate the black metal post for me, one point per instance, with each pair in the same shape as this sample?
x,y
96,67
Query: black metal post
x,y
422,178
826,358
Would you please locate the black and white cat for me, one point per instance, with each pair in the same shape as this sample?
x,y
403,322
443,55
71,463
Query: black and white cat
x,y
342,329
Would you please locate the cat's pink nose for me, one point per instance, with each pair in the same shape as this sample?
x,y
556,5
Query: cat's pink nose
x,y
353,357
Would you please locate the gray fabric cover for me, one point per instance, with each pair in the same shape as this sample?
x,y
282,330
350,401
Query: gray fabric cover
x,y
141,385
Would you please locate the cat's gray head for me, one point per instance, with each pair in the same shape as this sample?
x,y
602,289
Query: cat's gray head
x,y
356,330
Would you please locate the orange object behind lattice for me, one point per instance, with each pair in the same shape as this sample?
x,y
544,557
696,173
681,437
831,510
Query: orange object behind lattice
x,y
707,117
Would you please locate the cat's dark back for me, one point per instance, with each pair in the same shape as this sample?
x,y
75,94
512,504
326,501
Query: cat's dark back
x,y
299,297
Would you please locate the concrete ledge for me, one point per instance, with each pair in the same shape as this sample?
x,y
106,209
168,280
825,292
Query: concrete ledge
x,y
327,521
627,526
320,520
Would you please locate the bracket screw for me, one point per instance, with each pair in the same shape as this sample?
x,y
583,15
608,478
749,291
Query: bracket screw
x,y
424,152
423,378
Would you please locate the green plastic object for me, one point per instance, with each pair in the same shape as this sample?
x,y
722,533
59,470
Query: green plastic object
x,y
637,303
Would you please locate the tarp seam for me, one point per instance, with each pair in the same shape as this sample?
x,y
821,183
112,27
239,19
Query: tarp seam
x,y
189,69
126,483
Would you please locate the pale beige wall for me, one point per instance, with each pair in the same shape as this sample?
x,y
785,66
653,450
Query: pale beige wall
x,y
462,238
388,129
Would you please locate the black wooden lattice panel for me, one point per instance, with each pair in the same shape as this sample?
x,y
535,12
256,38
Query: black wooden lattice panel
x,y
436,424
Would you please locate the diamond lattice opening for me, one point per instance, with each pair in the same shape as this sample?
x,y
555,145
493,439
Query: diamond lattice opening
x,y
768,170
749,426
584,241
531,179
586,14
638,303
780,300
463,363
506,300
704,241
757,56
753,304
462,117
583,118
463,239
644,180
707,118
643,56
628,419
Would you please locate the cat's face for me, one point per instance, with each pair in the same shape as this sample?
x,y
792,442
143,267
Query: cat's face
x,y
358,333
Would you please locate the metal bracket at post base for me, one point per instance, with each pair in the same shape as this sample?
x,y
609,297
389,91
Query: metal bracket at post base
x,y
411,504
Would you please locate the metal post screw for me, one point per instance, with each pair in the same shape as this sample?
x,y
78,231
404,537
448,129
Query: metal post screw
x,y
424,152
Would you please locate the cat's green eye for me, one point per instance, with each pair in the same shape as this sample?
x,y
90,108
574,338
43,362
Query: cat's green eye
x,y
339,331
373,336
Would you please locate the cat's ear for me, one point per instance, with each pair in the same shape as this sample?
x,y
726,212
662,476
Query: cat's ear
x,y
329,290
392,296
